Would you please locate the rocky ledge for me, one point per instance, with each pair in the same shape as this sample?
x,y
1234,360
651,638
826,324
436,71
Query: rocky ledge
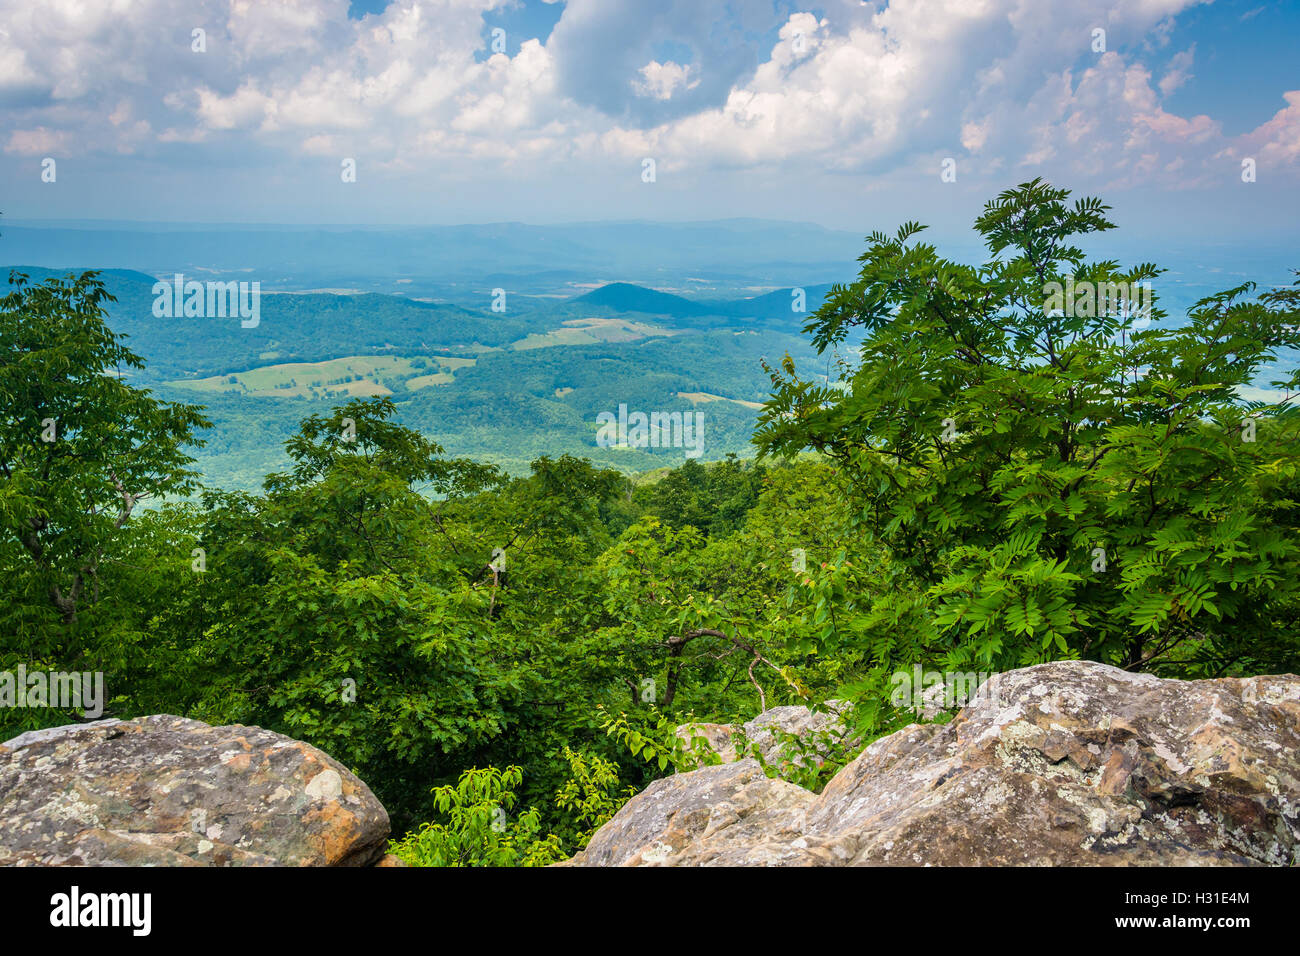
x,y
170,791
1067,764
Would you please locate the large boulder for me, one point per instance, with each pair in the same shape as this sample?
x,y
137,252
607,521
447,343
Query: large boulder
x,y
170,791
682,813
1070,763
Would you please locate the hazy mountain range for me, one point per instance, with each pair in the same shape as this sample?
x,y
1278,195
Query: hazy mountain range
x,y
707,258
587,317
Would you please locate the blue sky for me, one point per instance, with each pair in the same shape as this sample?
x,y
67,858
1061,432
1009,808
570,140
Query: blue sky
x,y
1245,54
843,113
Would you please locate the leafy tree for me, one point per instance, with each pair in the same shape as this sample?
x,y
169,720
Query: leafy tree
x,y
80,447
404,611
330,612
713,499
1031,478
479,831
590,796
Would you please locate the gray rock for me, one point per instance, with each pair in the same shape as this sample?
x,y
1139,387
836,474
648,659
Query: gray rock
x,y
769,731
689,812
722,739
1069,763
51,733
166,790
819,731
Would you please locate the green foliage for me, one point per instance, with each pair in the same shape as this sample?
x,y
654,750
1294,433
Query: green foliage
x,y
714,500
79,445
809,760
479,830
1000,476
590,796
83,455
368,613
992,442
653,738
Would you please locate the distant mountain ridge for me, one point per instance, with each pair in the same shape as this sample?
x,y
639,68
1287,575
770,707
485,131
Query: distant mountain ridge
x,y
37,274
132,286
729,254
778,304
295,326
627,297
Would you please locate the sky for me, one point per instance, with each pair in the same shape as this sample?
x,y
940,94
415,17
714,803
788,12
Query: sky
x,y
849,114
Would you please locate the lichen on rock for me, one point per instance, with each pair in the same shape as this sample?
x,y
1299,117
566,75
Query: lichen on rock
x,y
170,791
1069,763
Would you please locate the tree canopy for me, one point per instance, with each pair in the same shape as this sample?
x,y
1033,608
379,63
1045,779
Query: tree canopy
x,y
1017,461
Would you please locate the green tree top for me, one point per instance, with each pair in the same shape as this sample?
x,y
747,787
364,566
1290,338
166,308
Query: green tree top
x,y
1047,475
79,445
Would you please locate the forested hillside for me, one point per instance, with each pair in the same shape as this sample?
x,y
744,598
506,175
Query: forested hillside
x,y
501,386
948,471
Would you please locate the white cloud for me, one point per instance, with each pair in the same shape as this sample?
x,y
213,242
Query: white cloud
x,y
37,142
973,137
857,87
246,107
1179,71
1275,144
661,80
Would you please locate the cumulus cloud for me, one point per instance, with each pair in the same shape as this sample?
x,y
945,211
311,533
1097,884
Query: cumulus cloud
x,y
601,49
857,86
661,80
1179,72
1275,144
37,142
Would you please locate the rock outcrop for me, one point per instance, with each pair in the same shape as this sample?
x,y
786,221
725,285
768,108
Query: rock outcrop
x,y
819,732
170,791
1070,763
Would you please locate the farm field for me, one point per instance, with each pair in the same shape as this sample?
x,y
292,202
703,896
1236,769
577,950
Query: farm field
x,y
590,331
347,377
700,398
